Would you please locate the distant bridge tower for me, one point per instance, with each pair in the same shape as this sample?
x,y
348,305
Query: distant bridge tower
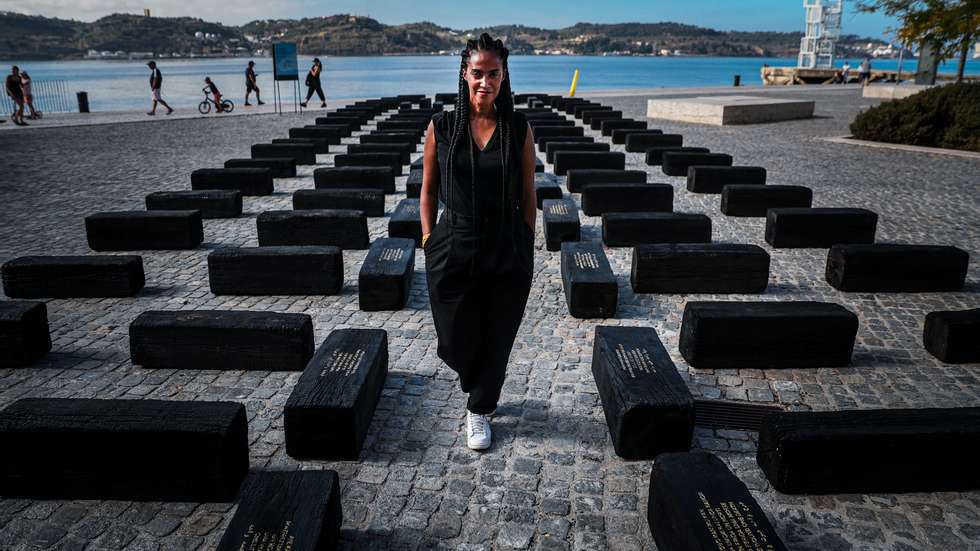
x,y
822,31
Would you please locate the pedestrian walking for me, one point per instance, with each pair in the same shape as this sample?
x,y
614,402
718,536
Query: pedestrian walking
x,y
26,89
479,257
313,83
864,72
16,93
845,72
156,83
251,84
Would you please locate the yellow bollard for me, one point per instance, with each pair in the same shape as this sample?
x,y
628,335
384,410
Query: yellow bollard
x,y
571,91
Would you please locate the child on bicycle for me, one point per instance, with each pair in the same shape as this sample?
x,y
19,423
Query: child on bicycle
x,y
214,92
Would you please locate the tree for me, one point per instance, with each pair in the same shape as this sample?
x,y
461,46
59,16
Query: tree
x,y
950,25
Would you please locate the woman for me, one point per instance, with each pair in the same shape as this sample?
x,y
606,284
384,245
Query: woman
x,y
313,83
479,161
25,86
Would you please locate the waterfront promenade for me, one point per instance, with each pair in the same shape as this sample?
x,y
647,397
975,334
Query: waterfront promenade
x,y
551,479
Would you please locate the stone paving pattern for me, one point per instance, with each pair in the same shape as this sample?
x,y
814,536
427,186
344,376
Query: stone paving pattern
x,y
551,479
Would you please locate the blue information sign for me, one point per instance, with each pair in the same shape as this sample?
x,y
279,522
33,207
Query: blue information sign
x,y
284,65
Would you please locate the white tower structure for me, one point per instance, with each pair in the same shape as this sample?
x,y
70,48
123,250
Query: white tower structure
x,y
823,19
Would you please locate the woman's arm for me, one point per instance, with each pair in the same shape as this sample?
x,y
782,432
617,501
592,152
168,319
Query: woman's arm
x,y
429,197
530,197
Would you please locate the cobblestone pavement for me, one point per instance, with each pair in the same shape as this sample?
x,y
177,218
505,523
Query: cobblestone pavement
x,y
551,479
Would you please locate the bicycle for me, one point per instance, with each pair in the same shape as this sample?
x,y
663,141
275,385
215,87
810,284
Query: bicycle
x,y
205,106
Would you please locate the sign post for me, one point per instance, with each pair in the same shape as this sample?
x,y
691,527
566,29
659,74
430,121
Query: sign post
x,y
285,67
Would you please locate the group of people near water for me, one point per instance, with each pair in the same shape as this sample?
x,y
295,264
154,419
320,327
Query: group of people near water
x,y
18,88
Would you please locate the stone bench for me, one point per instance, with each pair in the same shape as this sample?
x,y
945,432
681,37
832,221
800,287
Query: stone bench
x,y
553,122
819,227
227,339
73,276
129,450
654,156
413,184
280,167
639,142
876,451
648,408
695,503
591,290
371,201
447,98
352,124
343,129
677,163
767,335
342,228
415,137
144,230
385,279
755,200
565,160
606,126
276,271
546,186
403,126
390,137
952,336
543,142
370,177
579,111
331,136
212,203
712,179
561,223
403,149
389,160
711,268
538,166
24,334
891,268
406,221
247,181
303,154
595,119
329,410
299,507
620,135
577,178
557,131
319,145
628,229
555,146
600,198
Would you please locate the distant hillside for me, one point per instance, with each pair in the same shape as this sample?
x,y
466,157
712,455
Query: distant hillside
x,y
34,37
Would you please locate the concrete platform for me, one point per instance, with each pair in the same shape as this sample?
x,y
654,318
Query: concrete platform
x,y
725,110
892,91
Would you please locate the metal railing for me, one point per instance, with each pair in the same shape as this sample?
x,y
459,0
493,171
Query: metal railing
x,y
50,96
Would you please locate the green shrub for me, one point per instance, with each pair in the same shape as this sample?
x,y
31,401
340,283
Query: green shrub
x,y
944,116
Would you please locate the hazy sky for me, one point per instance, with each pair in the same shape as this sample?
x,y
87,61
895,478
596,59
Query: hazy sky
x,y
750,15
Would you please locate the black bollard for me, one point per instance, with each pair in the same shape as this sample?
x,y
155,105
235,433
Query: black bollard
x,y
738,80
82,102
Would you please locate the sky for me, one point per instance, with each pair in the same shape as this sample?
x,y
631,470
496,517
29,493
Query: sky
x,y
743,15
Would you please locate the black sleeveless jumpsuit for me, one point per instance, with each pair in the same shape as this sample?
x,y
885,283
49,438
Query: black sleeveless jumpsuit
x,y
479,260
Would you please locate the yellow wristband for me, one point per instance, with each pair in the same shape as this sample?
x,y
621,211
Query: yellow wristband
x,y
425,238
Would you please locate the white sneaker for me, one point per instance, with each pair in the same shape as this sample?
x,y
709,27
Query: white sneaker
x,y
477,431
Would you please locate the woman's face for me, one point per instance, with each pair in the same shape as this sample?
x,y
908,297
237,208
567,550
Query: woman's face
x,y
484,75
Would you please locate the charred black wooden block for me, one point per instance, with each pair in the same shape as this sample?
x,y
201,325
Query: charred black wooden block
x,y
952,336
73,276
620,135
319,145
546,186
343,129
144,230
386,275
577,178
676,163
608,125
543,142
553,147
331,136
711,179
342,228
132,450
406,221
819,228
446,97
580,111
403,149
871,451
718,268
24,334
561,222
566,160
890,268
413,184
390,160
402,126
211,203
538,166
280,167
595,119
628,229
598,199
298,509
276,271
247,181
371,201
641,141
557,131
778,335
648,408
328,413
696,504
372,177
351,121
753,200
212,339
590,286
557,120
390,137
655,155
303,154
